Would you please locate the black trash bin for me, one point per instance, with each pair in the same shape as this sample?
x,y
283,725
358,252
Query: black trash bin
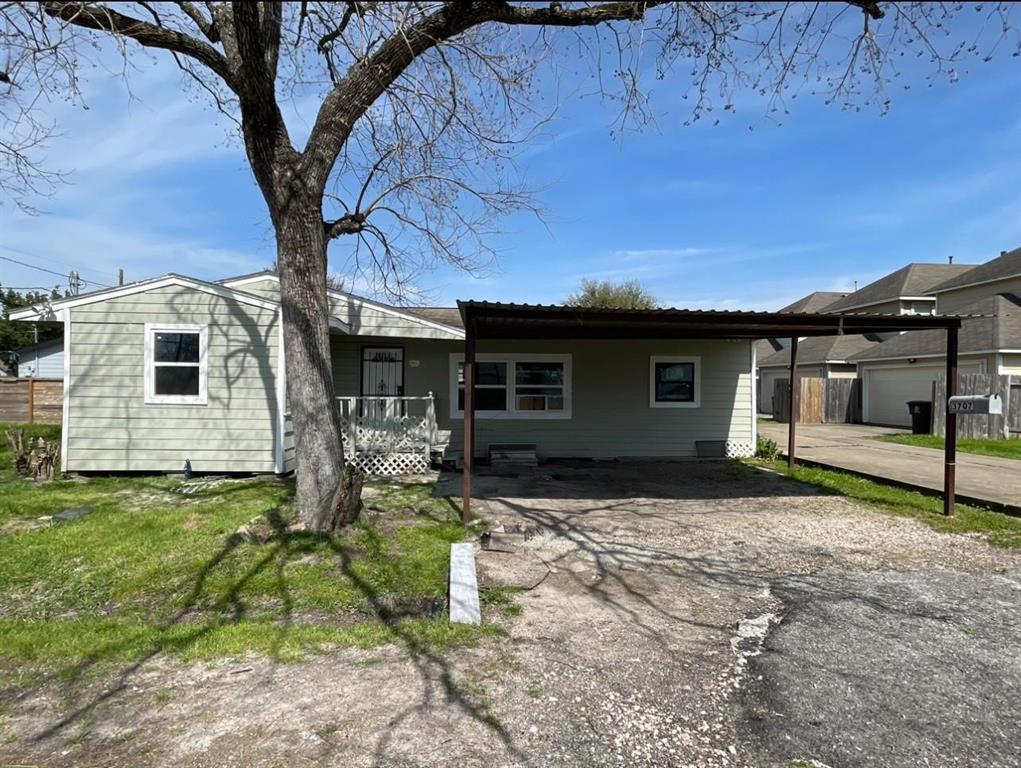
x,y
921,416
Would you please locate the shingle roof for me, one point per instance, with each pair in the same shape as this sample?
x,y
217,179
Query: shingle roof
x,y
1007,264
820,349
912,280
447,315
814,302
1000,329
766,347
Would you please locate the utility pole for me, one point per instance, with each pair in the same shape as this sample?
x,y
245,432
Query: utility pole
x,y
74,282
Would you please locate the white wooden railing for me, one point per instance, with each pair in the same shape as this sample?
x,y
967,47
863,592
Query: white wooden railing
x,y
388,435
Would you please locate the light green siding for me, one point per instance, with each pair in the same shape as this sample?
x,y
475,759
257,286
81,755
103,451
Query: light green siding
x,y
111,428
610,411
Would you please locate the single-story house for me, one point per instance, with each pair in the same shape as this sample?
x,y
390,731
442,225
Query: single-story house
x,y
904,367
44,360
177,369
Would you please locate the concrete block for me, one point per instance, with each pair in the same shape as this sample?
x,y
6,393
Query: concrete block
x,y
464,586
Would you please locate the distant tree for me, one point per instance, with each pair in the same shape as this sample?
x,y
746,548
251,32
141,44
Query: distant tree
x,y
16,335
606,295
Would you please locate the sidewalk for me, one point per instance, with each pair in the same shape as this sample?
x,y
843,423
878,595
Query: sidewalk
x,y
854,447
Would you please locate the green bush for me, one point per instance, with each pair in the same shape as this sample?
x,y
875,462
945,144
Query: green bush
x,y
766,448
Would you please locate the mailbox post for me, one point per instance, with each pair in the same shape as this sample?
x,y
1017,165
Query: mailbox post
x,y
950,440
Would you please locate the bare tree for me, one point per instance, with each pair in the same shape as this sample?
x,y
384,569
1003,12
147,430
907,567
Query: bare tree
x,y
418,107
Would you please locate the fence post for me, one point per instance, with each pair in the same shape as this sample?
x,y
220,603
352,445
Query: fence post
x,y
430,426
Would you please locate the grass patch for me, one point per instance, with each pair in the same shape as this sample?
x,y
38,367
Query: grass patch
x,y
999,529
154,571
1004,449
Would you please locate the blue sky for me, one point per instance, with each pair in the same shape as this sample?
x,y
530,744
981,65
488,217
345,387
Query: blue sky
x,y
704,216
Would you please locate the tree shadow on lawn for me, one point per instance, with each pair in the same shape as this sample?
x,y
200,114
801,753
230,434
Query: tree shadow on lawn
x,y
435,670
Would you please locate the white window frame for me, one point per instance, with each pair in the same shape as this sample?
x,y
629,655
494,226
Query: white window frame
x,y
151,398
511,359
696,360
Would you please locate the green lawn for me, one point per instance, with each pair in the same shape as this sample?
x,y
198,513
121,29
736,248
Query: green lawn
x,y
999,529
1005,449
152,570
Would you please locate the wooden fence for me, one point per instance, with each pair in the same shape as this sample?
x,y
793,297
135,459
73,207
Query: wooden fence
x,y
829,401
32,400
979,426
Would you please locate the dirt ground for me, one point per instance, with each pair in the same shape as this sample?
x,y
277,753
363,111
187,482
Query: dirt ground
x,y
694,614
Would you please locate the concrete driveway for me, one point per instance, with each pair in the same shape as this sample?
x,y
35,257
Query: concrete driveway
x,y
854,447
692,614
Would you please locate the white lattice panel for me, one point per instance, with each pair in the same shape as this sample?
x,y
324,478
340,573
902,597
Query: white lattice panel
x,y
389,464
739,449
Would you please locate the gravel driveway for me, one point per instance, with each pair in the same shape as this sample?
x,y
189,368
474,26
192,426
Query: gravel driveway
x,y
695,614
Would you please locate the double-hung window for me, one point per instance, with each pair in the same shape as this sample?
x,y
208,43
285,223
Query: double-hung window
x,y
515,386
674,382
175,364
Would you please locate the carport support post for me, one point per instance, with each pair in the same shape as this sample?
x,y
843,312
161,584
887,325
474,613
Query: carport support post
x,y
469,420
792,402
950,440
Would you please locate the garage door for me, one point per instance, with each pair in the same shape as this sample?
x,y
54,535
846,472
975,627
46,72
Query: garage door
x,y
887,391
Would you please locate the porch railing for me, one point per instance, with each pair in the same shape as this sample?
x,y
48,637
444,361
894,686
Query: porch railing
x,y
388,435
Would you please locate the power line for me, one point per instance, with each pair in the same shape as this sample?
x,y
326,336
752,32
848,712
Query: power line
x,y
72,276
69,266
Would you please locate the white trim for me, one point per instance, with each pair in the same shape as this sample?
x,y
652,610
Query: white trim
x,y
755,399
44,313
65,418
151,398
344,295
697,363
279,448
831,311
511,358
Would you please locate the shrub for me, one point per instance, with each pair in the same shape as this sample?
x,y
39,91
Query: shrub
x,y
766,448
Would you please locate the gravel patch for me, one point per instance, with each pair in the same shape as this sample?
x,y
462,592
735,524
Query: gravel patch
x,y
642,647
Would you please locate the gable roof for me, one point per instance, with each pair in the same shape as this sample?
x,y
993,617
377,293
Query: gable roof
x,y
814,302
998,328
50,310
446,315
823,349
912,281
447,319
1007,264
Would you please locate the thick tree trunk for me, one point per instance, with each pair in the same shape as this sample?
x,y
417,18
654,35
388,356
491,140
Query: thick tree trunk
x,y
328,496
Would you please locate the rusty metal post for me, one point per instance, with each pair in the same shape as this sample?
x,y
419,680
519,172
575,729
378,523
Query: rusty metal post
x,y
950,440
469,420
792,401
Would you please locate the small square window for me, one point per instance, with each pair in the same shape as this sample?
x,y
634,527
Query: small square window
x,y
673,382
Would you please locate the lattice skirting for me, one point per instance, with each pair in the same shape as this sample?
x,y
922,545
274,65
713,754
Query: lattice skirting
x,y
739,449
390,464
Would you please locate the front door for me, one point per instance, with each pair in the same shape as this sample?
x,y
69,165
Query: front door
x,y
382,377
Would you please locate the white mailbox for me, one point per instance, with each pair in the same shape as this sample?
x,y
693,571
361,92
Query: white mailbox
x,y
984,404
